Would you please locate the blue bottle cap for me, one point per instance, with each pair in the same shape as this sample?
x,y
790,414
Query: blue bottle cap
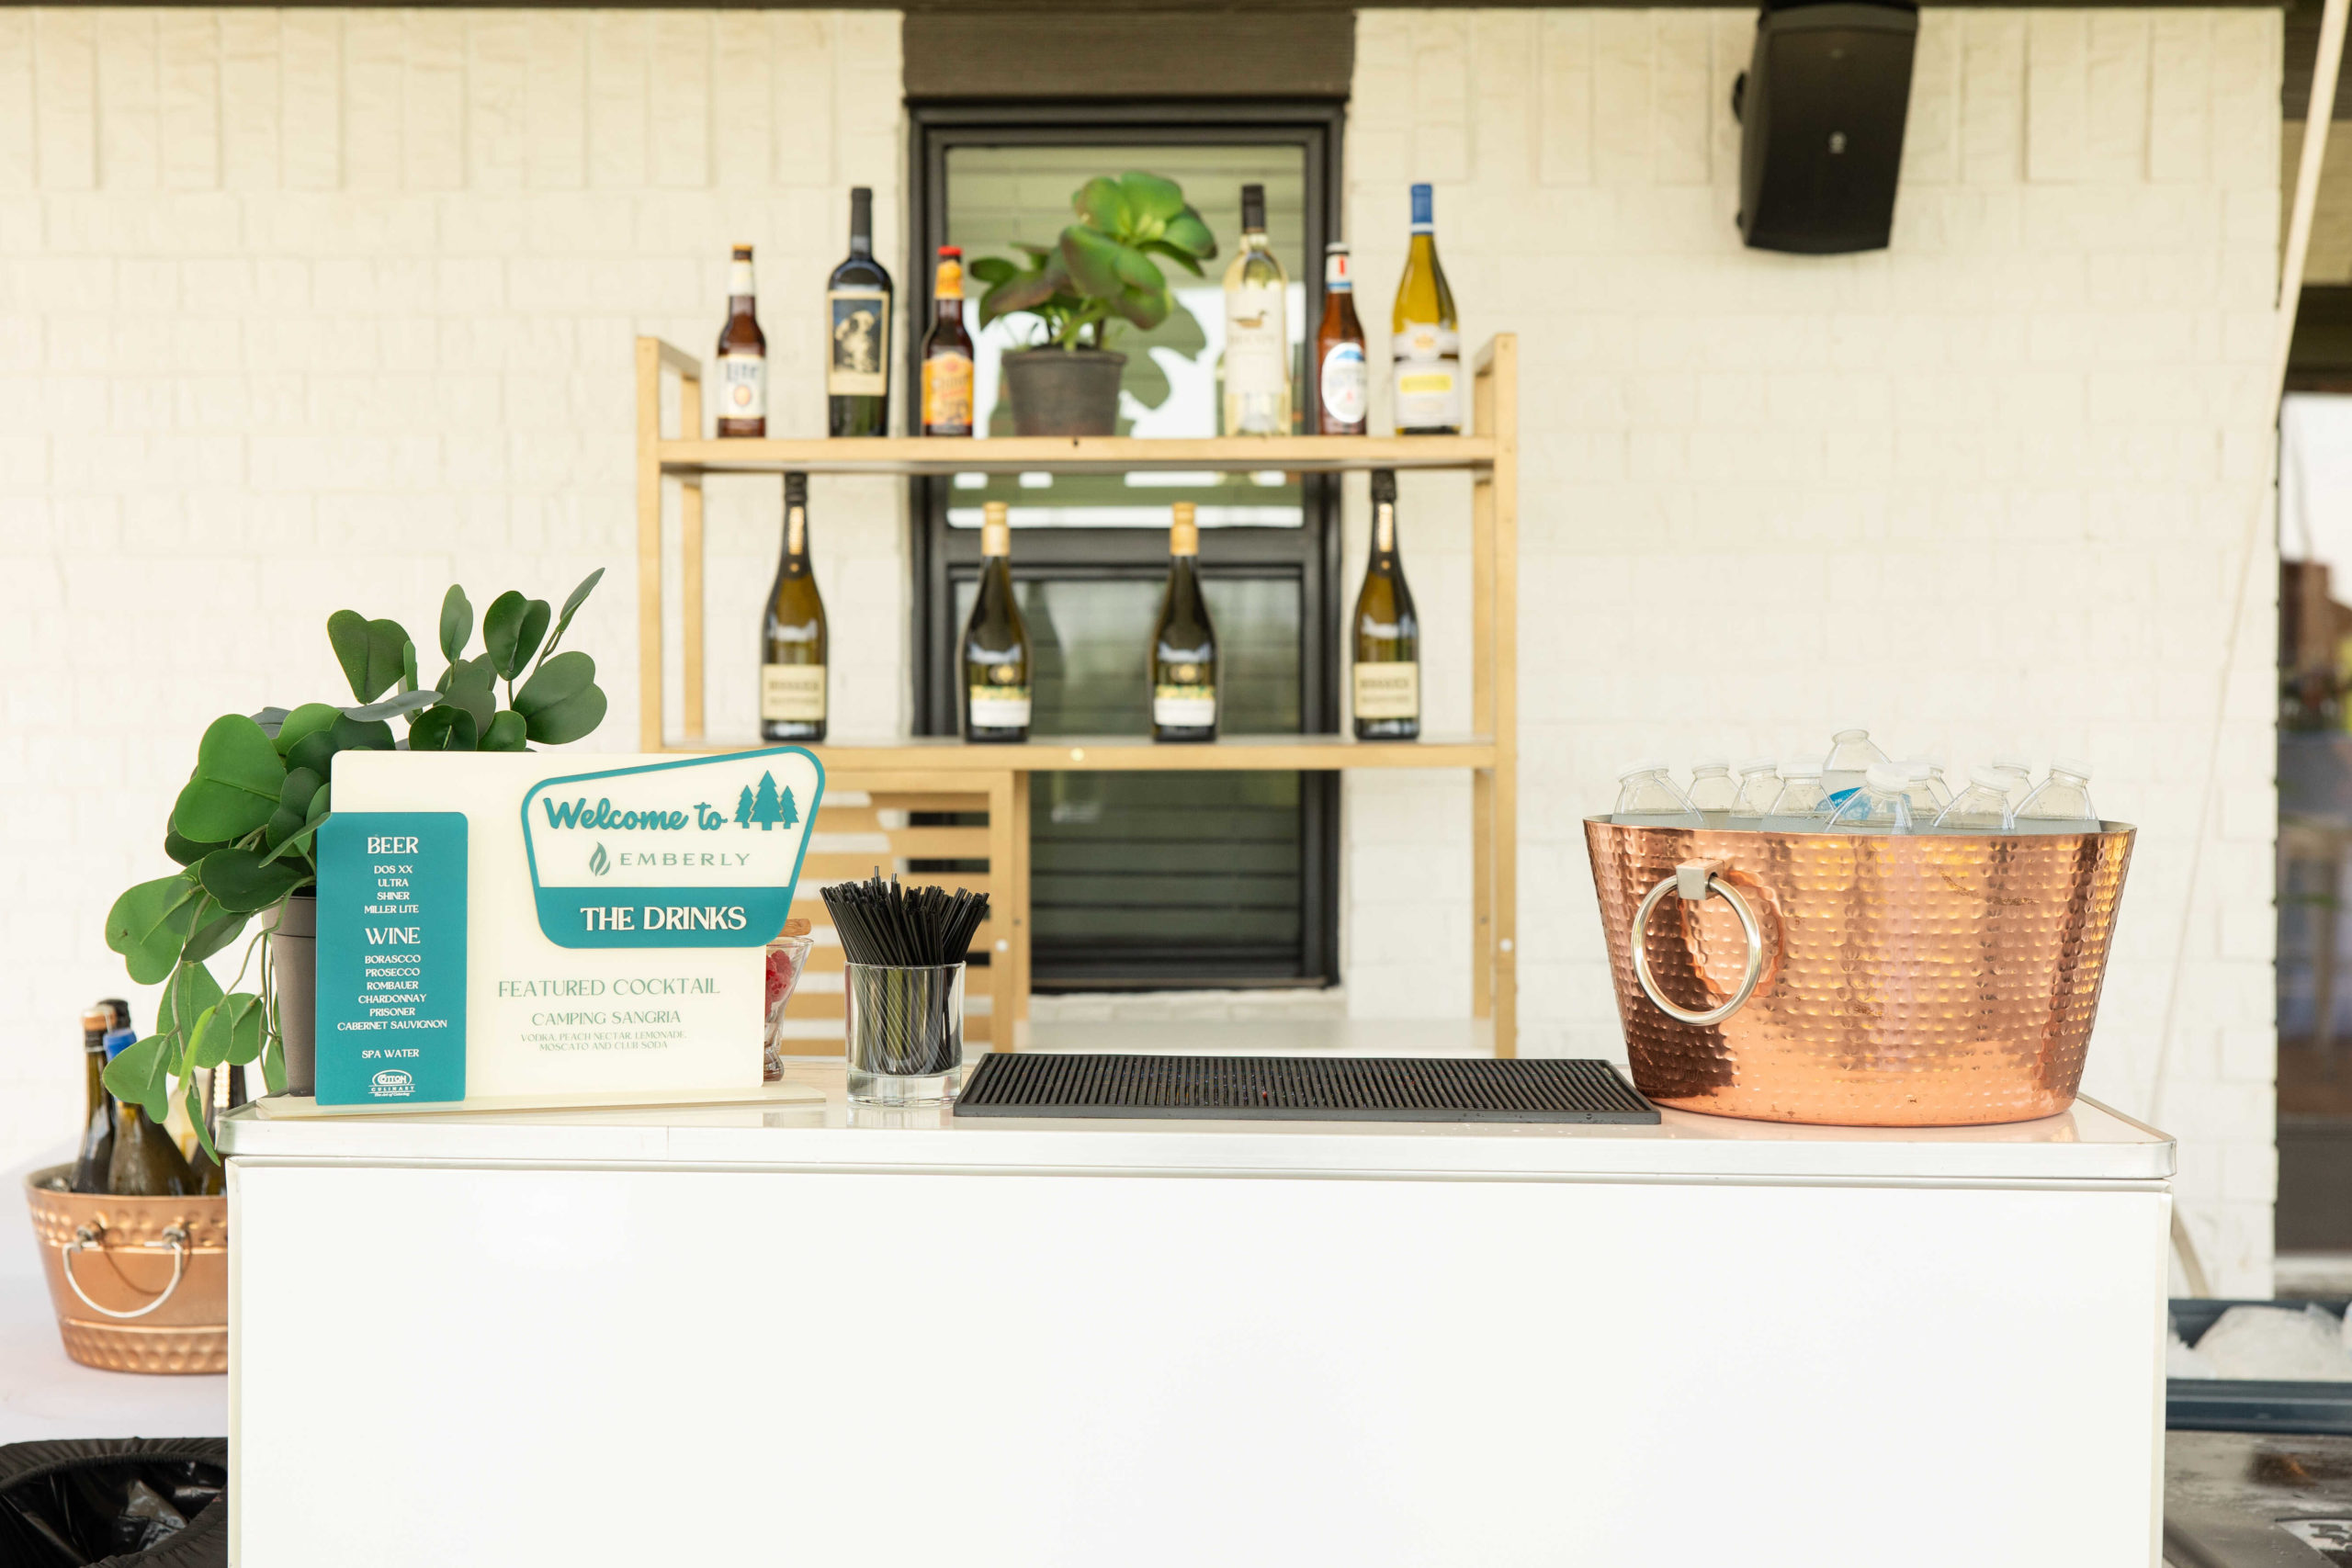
x,y
117,1039
1421,205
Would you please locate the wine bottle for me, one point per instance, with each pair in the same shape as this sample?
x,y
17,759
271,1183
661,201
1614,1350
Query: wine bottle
x,y
1427,348
145,1162
1183,643
1257,335
742,357
1339,382
947,353
96,1152
1387,634
792,633
204,1170
997,666
857,318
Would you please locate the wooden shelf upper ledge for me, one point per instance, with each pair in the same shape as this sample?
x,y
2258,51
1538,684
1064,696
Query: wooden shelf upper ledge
x,y
1077,454
1136,753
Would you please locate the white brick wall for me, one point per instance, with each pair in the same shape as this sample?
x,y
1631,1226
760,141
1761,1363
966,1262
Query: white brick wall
x,y
1993,488
317,309
308,308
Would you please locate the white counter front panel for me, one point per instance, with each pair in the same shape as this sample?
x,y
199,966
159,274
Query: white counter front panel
x,y
655,1361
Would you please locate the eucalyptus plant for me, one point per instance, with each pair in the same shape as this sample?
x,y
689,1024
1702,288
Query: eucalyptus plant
x,y
1103,265
245,825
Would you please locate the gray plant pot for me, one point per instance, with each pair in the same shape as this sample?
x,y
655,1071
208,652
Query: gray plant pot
x,y
1060,392
294,952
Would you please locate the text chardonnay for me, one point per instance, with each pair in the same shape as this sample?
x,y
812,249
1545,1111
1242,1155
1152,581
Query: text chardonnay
x,y
792,633
1183,643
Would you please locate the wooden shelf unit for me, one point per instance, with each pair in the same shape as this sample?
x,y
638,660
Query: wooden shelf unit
x,y
1490,456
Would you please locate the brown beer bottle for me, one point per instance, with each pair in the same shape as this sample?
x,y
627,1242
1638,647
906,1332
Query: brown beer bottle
x,y
947,353
96,1152
742,357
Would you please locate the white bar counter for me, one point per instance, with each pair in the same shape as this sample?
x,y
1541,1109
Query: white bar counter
x,y
793,1331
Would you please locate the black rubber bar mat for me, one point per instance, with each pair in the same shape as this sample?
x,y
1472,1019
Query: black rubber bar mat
x,y
1301,1088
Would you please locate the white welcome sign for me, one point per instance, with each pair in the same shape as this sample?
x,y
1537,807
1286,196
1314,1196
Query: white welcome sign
x,y
609,917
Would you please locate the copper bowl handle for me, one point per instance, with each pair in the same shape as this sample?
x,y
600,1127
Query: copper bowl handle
x,y
89,1238
1695,880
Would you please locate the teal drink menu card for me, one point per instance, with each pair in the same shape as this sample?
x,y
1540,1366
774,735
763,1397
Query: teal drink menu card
x,y
392,957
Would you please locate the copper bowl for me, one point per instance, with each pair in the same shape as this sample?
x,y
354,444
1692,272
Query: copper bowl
x,y
139,1284
1913,980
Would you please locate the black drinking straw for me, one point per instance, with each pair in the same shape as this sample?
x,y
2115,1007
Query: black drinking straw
x,y
902,932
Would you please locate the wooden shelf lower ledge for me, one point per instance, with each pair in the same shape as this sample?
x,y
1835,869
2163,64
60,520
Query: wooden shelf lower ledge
x,y
1077,454
1136,753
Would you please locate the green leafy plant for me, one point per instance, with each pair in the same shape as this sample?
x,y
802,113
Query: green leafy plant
x,y
1103,265
243,827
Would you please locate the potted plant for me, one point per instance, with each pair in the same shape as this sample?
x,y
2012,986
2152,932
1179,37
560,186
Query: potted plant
x,y
244,824
1101,268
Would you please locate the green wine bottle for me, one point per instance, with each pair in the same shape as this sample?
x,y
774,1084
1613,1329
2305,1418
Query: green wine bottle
x,y
1387,634
1427,347
1183,643
997,666
146,1162
96,1152
791,633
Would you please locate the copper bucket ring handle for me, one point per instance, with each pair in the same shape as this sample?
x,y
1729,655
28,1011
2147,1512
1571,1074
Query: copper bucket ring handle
x,y
1695,880
91,1238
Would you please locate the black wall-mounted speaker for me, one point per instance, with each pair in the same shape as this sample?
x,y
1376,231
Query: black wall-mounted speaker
x,y
1821,108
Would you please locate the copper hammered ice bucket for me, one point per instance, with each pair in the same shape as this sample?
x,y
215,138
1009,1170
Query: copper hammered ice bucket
x,y
1897,980
140,1284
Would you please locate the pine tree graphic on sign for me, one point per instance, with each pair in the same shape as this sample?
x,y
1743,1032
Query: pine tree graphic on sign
x,y
767,809
791,812
743,808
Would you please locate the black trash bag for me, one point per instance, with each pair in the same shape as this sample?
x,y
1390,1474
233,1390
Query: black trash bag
x,y
113,1502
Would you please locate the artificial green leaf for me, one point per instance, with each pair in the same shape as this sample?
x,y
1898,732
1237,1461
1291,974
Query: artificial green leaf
x,y
1186,233
394,706
408,665
301,783
311,719
1146,309
351,734
507,732
457,623
150,922
235,786
576,716
185,850
512,630
131,1075
1176,253
192,1097
211,928
1148,197
471,686
1102,203
273,1066
244,1011
369,652
1136,271
559,680
1092,260
296,841
444,730
241,879
993,269
190,990
578,597
207,1041
269,718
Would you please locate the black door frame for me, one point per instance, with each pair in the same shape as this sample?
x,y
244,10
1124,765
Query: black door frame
x,y
939,556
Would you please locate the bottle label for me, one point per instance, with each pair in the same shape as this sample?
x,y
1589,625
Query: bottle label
x,y
1429,377
859,357
1257,359
792,693
1182,707
947,393
1388,691
999,707
742,386
1343,384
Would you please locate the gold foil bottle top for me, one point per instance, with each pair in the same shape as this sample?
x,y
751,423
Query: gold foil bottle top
x,y
1184,534
995,529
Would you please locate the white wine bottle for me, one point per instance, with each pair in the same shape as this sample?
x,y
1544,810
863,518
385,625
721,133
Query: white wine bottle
x,y
1183,643
792,633
1426,351
1257,330
1387,634
997,667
